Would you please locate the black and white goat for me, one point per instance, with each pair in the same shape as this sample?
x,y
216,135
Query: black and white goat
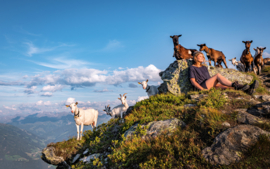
x,y
239,65
120,110
150,90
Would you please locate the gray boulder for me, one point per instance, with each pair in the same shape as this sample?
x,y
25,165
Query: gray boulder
x,y
246,118
156,127
49,157
230,144
90,157
176,81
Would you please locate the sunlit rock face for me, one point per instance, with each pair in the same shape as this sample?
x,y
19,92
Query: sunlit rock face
x,y
176,81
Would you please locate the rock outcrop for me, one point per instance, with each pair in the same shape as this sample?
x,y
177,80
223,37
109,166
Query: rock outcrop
x,y
176,81
49,157
156,127
230,144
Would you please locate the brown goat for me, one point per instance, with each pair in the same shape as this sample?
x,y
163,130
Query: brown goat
x,y
179,51
258,59
219,63
266,61
213,55
246,57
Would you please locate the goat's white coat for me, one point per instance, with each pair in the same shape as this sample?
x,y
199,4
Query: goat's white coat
x,y
83,117
238,64
150,90
119,110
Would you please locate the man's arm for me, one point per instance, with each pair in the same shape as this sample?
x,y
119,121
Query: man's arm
x,y
194,83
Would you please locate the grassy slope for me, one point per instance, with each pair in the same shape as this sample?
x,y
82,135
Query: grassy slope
x,y
183,148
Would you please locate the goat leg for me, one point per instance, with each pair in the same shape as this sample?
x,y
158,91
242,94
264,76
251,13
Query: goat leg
x,y
81,131
209,60
78,129
225,63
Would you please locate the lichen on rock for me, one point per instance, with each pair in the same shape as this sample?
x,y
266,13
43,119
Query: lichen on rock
x,y
156,127
230,144
176,81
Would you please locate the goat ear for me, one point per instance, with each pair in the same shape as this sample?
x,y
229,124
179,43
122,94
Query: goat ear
x,y
171,37
104,110
198,45
76,103
125,97
147,80
139,82
264,48
251,41
254,49
179,35
234,57
67,105
119,98
243,41
230,59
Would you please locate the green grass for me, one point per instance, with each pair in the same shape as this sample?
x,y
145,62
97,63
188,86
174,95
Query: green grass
x,y
180,149
266,69
261,89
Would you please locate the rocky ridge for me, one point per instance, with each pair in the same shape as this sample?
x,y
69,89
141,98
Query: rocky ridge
x,y
245,115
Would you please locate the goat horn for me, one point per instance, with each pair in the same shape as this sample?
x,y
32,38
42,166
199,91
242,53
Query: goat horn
x,y
124,94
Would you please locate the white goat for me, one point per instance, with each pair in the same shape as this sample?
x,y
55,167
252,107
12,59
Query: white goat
x,y
83,117
238,64
150,90
118,110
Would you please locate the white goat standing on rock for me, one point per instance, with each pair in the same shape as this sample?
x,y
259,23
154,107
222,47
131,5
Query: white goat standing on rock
x,y
118,110
150,90
83,117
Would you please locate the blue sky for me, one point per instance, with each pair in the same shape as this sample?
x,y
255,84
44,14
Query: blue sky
x,y
91,51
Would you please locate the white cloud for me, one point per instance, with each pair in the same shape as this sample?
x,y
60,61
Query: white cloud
x,y
52,109
47,94
89,77
25,77
113,45
39,102
63,63
10,108
77,78
102,91
30,90
32,49
140,98
70,100
265,54
120,68
50,88
47,103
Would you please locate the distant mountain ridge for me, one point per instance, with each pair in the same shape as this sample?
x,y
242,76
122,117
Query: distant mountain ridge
x,y
52,129
20,149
